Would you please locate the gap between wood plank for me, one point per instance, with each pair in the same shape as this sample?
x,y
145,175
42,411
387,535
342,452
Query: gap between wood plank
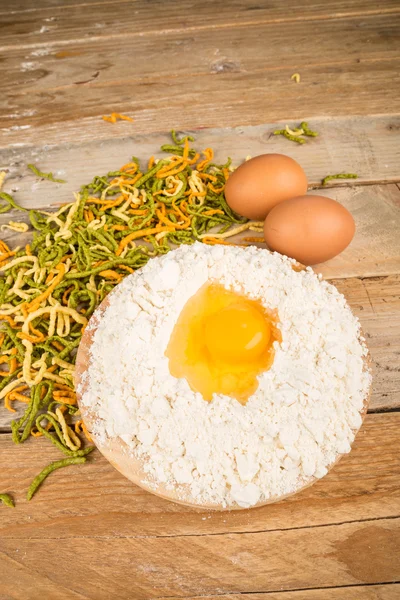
x,y
375,411
207,535
356,184
67,7
198,28
308,589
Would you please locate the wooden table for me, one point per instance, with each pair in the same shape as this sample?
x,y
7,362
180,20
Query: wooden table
x,y
90,533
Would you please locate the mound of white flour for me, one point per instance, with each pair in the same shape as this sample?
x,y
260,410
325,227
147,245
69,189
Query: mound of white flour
x,y
304,413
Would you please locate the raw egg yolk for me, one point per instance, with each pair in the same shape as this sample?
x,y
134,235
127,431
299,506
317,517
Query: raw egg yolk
x,y
238,333
221,341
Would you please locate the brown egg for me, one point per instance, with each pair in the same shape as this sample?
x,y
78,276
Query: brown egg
x,y
311,229
262,182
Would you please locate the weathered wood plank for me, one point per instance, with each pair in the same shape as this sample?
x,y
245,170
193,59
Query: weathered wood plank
x,y
95,500
18,6
242,99
184,9
237,49
378,311
371,592
241,72
375,249
327,556
84,20
369,147
17,579
303,10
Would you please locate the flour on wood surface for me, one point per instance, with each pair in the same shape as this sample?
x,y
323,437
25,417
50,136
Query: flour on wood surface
x,y
304,413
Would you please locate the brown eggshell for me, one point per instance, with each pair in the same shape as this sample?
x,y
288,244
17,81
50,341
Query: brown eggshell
x,y
311,229
262,182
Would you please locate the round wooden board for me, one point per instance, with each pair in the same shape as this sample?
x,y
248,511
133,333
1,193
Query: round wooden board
x,y
117,452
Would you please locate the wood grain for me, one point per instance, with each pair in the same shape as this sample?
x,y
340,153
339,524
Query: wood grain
x,y
356,592
305,10
95,500
375,249
268,561
240,49
21,6
242,99
369,147
378,312
235,49
77,20
248,79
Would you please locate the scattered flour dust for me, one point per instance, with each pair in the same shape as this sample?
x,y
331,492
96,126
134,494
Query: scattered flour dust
x,y
304,413
29,66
